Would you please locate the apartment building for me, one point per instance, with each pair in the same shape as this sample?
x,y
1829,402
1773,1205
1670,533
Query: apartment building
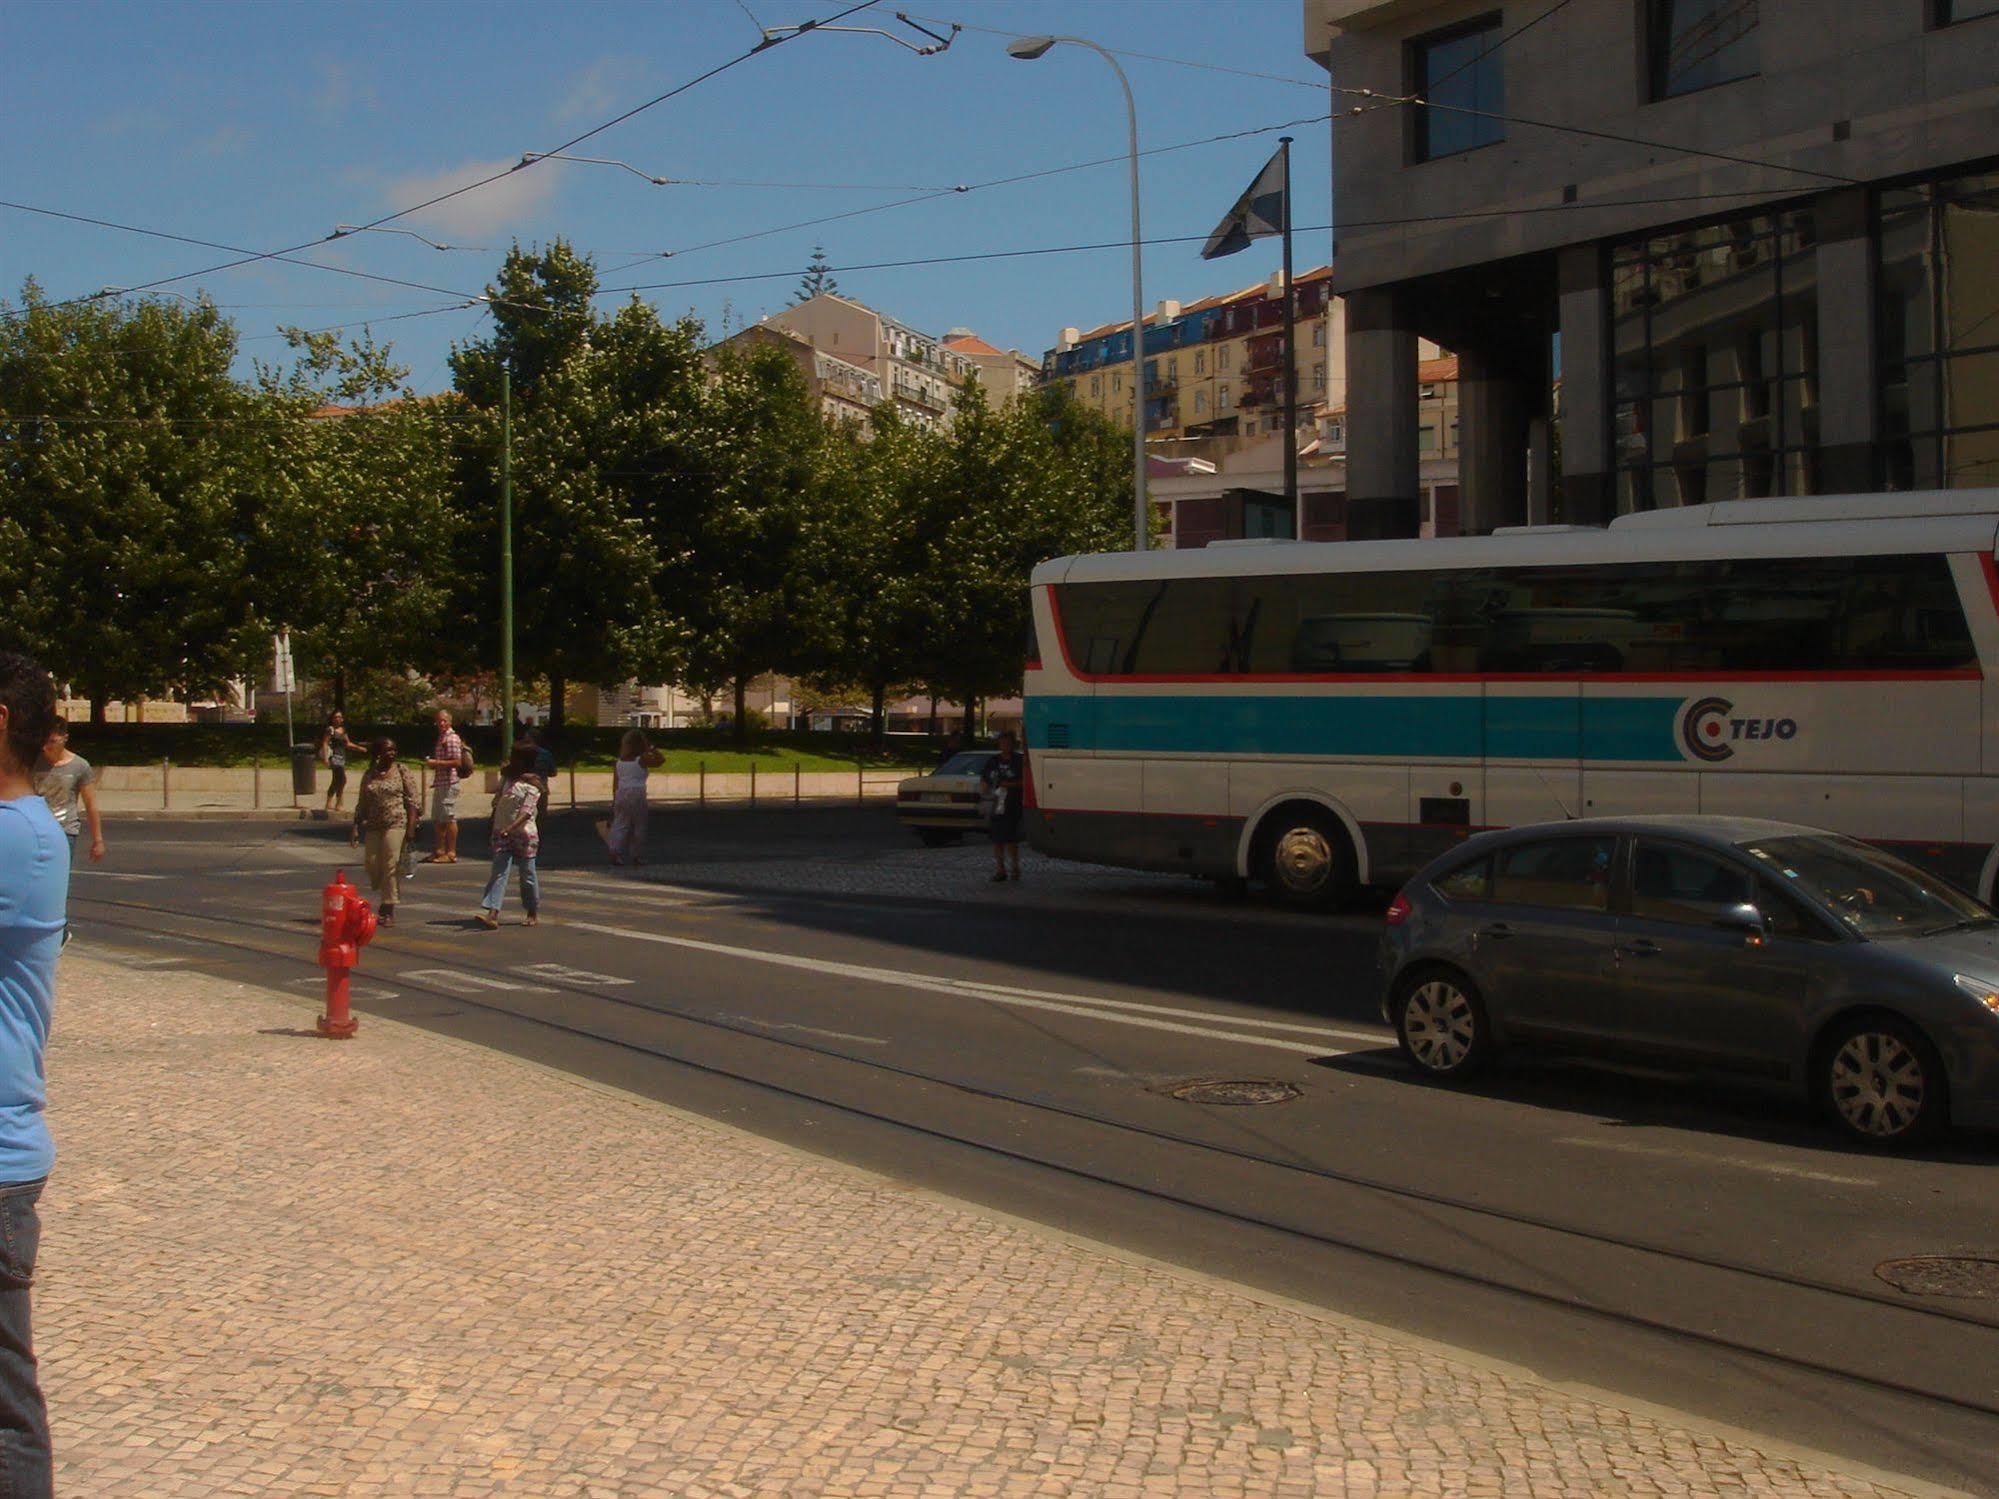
x,y
917,373
844,390
1758,238
1005,373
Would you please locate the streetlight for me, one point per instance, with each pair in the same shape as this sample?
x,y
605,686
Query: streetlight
x,y
1027,49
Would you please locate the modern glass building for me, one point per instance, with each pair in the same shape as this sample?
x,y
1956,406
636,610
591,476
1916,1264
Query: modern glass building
x,y
1755,243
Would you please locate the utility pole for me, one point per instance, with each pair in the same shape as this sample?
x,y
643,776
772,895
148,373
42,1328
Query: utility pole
x,y
1290,356
506,563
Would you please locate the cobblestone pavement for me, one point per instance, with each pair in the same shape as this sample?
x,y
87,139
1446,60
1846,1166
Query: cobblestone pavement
x,y
276,1265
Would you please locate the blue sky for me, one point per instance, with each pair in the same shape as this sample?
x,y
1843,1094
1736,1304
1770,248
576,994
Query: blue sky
x,y
264,125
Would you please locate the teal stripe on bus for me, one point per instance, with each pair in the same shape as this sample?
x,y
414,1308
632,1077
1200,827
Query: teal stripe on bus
x,y
1443,726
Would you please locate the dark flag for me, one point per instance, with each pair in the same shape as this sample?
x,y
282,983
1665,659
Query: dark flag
x,y
1258,213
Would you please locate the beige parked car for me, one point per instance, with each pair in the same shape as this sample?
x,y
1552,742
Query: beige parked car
x,y
948,803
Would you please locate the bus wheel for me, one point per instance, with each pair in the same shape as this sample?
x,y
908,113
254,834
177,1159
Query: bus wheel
x,y
1306,859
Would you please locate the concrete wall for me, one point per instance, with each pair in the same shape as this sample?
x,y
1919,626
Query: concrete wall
x,y
1905,98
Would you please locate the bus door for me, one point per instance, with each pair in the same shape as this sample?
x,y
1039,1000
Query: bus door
x,y
1533,752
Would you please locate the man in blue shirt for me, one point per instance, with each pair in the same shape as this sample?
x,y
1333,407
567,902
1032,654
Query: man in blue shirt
x,y
34,891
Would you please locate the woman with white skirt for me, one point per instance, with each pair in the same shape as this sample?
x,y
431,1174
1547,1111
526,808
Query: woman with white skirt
x,y
636,757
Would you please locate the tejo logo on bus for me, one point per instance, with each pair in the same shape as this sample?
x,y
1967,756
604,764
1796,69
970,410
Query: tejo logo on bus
x,y
1710,730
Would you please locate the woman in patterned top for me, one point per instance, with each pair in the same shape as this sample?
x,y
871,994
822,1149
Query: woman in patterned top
x,y
516,837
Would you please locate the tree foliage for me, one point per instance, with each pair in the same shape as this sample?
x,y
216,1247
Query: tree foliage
x,y
818,277
121,436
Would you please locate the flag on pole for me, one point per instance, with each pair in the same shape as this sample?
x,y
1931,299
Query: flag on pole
x,y
1258,213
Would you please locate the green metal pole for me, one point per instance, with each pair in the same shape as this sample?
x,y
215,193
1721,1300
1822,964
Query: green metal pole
x,y
506,563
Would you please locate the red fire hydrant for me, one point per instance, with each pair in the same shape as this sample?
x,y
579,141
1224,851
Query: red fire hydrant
x,y
346,925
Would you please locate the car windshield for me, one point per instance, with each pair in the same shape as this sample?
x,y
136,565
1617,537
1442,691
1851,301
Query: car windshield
x,y
968,763
1874,894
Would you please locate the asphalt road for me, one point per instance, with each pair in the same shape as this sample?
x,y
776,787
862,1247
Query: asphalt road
x,y
815,976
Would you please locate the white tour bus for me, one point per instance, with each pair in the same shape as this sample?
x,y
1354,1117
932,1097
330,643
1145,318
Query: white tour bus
x,y
1319,715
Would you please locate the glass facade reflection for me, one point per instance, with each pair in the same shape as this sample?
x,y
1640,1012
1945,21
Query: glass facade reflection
x,y
1715,339
1939,330
1460,69
1695,44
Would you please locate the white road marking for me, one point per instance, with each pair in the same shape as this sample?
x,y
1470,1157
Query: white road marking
x,y
111,874
571,975
810,1030
451,978
355,991
1701,1158
1067,1004
149,960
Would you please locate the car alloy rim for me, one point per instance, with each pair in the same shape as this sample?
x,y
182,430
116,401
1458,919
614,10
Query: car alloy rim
x,y
1437,1019
1304,859
1878,1084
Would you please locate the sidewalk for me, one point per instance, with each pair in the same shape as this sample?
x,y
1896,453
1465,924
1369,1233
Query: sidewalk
x,y
404,1265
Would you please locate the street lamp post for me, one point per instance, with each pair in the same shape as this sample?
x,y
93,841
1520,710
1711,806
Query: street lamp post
x,y
1027,48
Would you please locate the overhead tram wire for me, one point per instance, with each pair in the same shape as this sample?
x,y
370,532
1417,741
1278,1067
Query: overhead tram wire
x,y
252,258
1522,29
1172,239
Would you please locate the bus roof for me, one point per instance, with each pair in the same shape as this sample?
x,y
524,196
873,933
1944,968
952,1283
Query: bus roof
x,y
1820,526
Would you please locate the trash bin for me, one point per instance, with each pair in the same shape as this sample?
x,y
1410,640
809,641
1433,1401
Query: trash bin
x,y
305,770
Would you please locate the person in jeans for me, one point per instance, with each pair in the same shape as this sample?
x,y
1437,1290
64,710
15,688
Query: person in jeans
x,y
333,746
387,804
516,838
67,783
34,892
636,757
444,762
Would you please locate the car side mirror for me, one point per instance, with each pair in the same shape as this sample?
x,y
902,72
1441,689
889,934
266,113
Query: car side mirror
x,y
1747,919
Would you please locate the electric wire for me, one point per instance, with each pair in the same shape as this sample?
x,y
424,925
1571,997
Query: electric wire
x,y
1520,30
251,258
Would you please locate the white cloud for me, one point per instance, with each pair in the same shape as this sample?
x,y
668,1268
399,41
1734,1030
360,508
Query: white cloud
x,y
601,89
497,206
339,90
227,140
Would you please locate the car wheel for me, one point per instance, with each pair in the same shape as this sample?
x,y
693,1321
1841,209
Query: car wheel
x,y
937,837
1882,1081
1307,863
1440,1022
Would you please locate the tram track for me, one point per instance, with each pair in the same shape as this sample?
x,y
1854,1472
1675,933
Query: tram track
x,y
1624,1316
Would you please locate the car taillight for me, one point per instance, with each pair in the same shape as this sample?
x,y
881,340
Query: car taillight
x,y
1398,910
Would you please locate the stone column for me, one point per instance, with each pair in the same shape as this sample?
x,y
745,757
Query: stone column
x,y
1847,355
1588,481
1384,490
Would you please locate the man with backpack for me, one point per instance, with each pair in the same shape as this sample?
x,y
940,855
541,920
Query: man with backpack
x,y
449,762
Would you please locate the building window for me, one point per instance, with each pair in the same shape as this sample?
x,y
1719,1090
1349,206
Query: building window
x,y
1939,322
1460,74
1222,357
1949,12
1715,336
1426,438
1117,381
1173,370
1200,361
1222,399
1096,385
1696,44
1200,402
1319,376
1318,335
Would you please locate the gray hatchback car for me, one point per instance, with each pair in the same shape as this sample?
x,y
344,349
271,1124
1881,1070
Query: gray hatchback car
x,y
1775,952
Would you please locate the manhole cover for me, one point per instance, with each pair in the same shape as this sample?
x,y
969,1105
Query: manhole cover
x,y
1943,1275
1236,1090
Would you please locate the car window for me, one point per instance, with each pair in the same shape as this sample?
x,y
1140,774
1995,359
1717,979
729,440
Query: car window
x,y
966,764
1471,881
1870,892
1570,874
1672,882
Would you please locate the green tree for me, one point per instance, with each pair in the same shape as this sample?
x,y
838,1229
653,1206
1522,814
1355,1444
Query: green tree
x,y
354,514
751,563
604,410
818,277
121,438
